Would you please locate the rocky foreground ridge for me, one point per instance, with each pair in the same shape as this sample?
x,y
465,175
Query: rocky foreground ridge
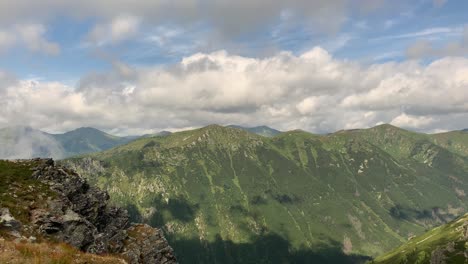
x,y
63,207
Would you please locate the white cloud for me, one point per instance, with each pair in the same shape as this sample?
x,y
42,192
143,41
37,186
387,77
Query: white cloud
x,y
312,91
228,18
31,36
6,40
408,121
118,29
435,31
425,48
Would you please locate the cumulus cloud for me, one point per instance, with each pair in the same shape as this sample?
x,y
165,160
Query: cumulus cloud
x,y
313,91
32,36
405,120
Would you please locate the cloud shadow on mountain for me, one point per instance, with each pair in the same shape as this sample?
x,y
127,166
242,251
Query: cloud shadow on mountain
x,y
269,248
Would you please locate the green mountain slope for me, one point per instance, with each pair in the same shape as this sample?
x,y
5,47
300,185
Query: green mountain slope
x,y
87,140
259,130
229,196
456,141
444,244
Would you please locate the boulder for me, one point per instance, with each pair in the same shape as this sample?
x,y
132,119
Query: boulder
x,y
8,222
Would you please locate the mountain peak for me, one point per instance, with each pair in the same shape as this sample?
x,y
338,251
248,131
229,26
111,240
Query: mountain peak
x,y
86,130
212,127
259,130
386,126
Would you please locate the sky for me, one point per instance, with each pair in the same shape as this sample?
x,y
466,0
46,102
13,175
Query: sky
x,y
132,67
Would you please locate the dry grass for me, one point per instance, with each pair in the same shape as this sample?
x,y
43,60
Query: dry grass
x,y
45,253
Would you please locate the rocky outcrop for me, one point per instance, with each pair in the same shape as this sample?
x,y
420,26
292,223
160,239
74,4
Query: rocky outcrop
x,y
9,223
141,244
79,214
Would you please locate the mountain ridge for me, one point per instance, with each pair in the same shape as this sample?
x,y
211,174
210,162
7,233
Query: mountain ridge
x,y
27,142
259,130
343,192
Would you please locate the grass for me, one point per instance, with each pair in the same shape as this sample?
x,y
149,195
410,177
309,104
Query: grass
x,y
19,191
48,253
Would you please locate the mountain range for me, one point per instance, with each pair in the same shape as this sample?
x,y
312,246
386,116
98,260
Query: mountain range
x,y
26,142
226,195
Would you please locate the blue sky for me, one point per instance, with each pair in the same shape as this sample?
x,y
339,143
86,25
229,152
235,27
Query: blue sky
x,y
379,35
316,65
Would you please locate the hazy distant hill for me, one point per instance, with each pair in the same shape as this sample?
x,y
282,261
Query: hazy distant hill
x,y
25,142
229,196
87,140
259,130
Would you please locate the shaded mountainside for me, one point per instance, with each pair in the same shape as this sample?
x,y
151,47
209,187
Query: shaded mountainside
x,y
26,142
444,244
259,130
43,205
228,196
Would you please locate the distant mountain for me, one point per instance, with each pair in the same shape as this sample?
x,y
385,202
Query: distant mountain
x,y
444,244
87,140
465,130
26,142
259,130
22,142
226,195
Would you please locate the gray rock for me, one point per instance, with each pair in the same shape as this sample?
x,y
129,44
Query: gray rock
x,y
80,216
147,245
7,221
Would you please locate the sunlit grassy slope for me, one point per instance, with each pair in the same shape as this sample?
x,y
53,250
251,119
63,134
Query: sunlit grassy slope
x,y
447,243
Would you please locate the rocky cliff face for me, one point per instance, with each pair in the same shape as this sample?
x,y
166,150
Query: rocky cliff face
x,y
79,214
